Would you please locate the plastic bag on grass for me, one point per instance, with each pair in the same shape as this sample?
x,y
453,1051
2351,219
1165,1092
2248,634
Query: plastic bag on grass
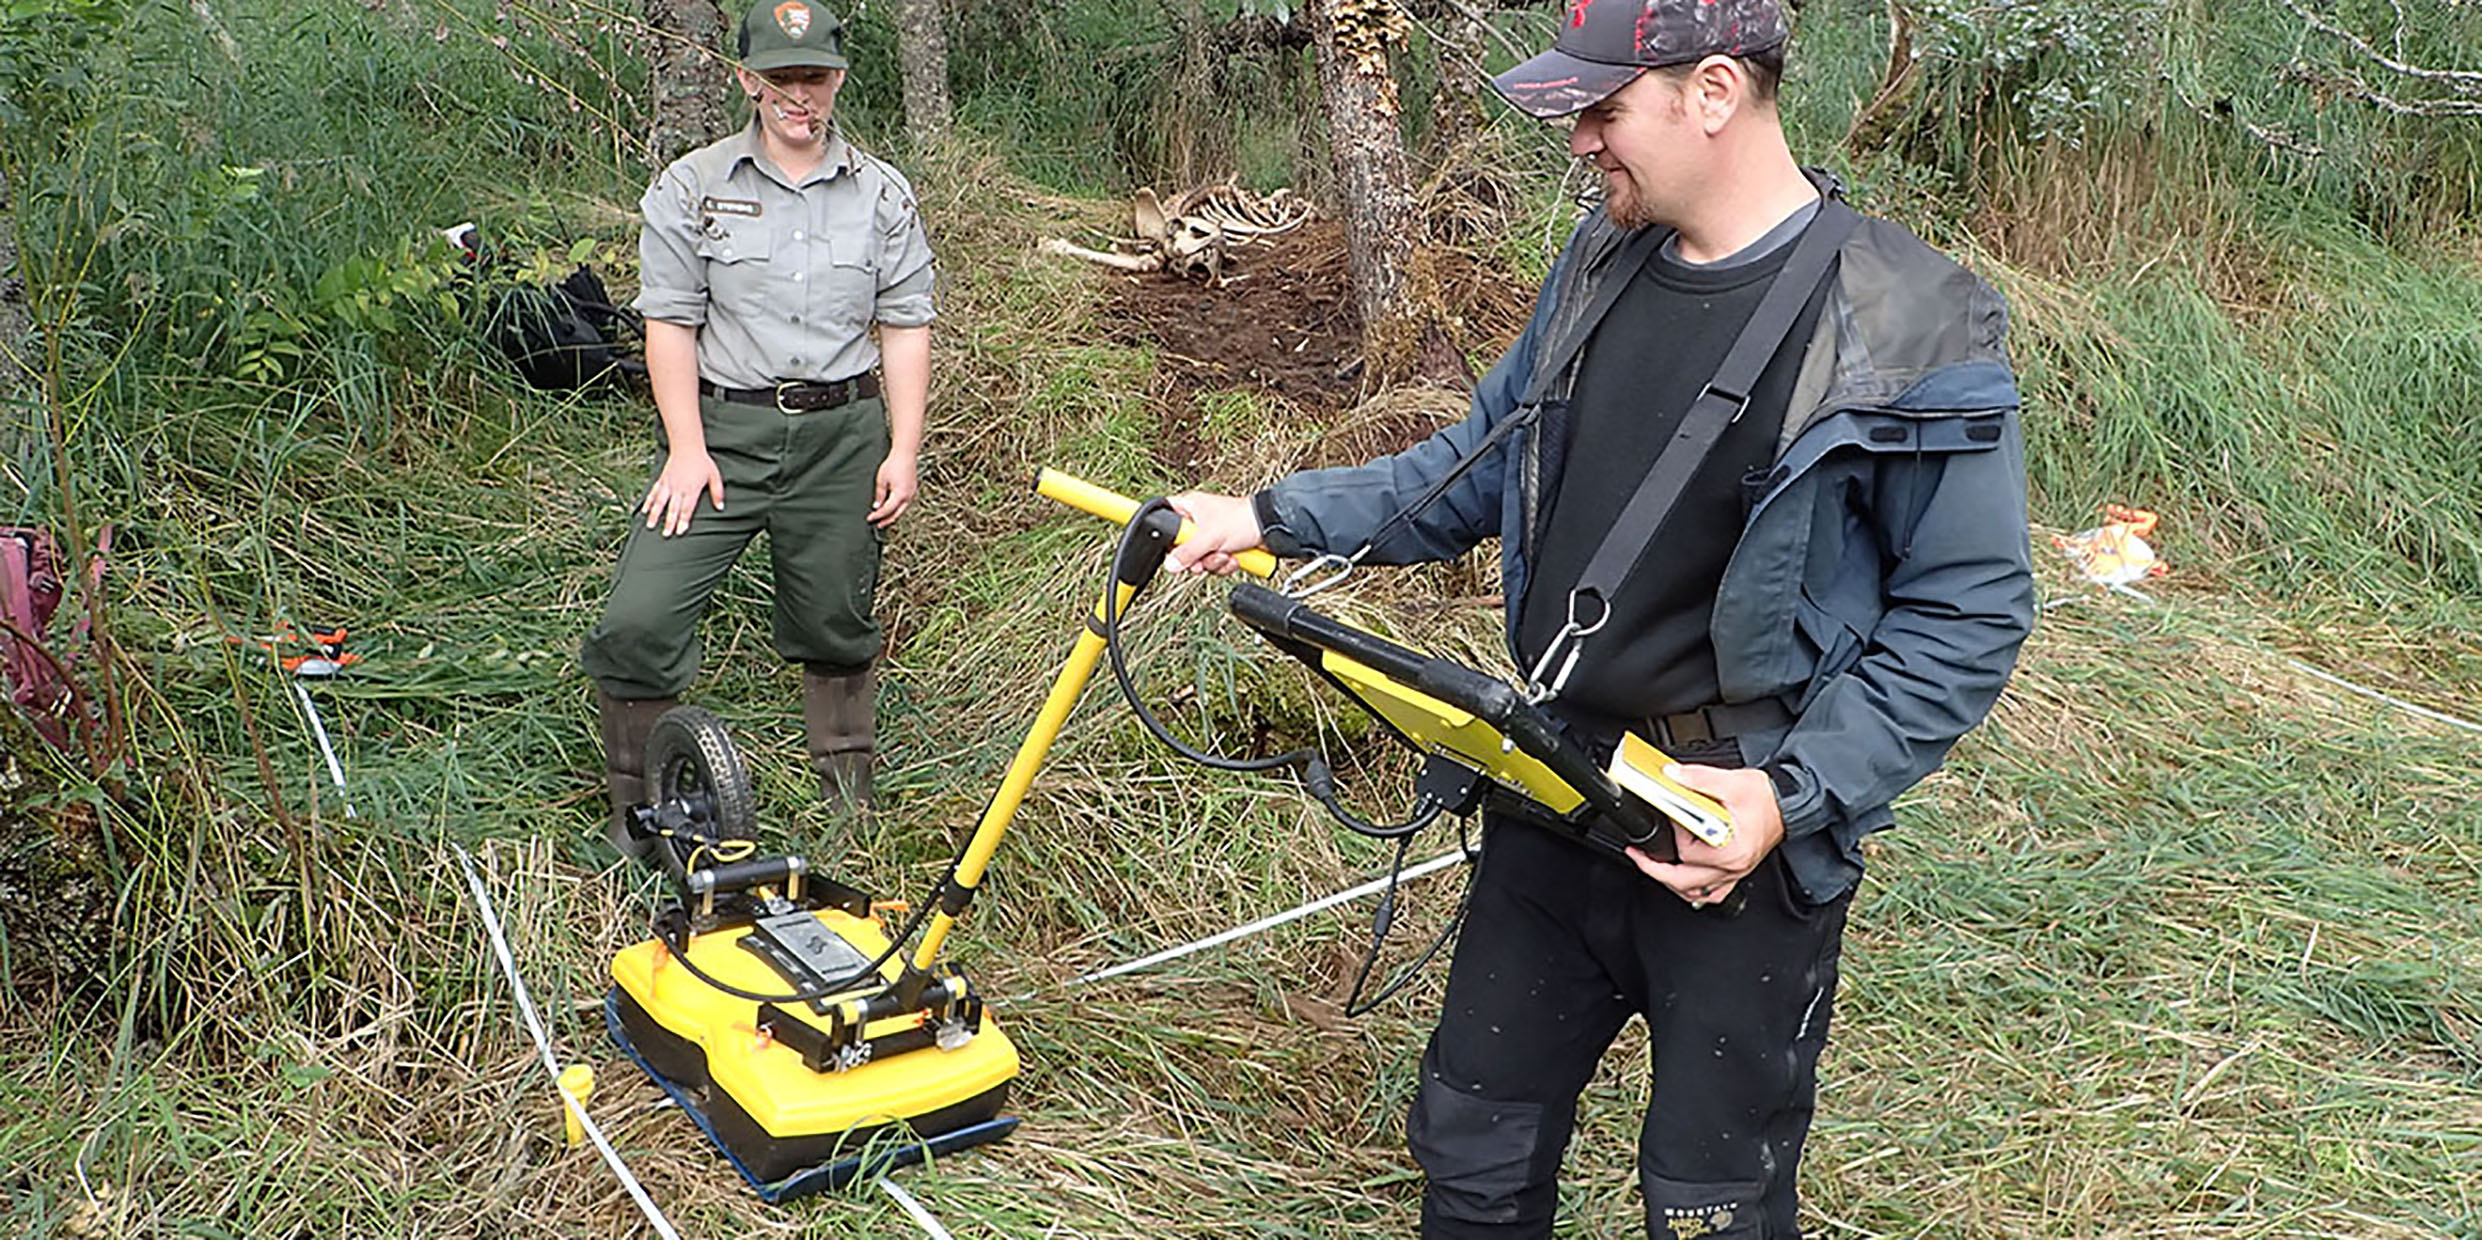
x,y
2116,552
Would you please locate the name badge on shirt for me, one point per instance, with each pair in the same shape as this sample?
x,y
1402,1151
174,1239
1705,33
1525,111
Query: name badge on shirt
x,y
747,208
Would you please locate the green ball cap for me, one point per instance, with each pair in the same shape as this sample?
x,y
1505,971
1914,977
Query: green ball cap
x,y
791,34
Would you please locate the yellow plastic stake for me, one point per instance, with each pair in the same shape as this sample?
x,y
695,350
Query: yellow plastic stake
x,y
577,1081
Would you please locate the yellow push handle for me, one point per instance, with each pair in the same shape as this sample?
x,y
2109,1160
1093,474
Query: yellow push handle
x,y
1086,497
1074,673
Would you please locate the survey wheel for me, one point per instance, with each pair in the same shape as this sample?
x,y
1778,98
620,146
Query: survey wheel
x,y
691,764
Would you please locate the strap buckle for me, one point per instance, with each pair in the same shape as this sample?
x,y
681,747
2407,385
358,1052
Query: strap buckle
x,y
786,386
1738,400
817,394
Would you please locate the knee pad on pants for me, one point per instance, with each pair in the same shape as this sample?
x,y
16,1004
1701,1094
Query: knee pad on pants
x,y
1480,1155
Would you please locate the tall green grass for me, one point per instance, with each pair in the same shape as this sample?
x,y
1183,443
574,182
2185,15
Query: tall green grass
x,y
2286,386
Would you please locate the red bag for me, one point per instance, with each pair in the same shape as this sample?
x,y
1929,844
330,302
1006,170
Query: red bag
x,y
31,590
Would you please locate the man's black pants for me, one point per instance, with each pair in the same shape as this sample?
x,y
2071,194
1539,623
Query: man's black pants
x,y
1560,947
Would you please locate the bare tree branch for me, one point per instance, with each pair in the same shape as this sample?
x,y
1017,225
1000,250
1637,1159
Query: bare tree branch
x,y
2274,138
2355,88
2459,80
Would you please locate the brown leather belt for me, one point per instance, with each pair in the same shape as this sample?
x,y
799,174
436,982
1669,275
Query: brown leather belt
x,y
1686,729
803,396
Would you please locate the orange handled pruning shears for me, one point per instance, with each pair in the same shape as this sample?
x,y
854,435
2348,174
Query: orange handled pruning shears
x,y
328,654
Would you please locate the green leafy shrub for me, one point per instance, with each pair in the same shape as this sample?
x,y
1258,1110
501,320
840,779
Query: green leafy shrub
x,y
44,74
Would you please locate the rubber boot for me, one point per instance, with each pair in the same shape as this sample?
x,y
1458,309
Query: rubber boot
x,y
626,722
837,708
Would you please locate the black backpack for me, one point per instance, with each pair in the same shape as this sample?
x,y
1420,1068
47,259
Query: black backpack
x,y
564,336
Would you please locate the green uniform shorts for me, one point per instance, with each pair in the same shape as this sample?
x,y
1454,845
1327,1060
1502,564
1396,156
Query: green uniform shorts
x,y
808,480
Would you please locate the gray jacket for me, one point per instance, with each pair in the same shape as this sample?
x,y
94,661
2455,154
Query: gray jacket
x,y
1881,586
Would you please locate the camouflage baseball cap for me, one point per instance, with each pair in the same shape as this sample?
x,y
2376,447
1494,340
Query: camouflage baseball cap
x,y
1605,44
791,34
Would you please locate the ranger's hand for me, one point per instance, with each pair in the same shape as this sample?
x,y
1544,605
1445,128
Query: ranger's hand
x,y
674,496
1706,874
1219,526
894,489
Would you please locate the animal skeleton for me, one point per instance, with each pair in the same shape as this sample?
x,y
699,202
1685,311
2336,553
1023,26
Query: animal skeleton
x,y
1190,234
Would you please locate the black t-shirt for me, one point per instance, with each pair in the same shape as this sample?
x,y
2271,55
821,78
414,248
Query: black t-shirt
x,y
1645,364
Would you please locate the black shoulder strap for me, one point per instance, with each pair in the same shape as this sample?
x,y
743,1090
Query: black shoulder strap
x,y
1625,263
1632,255
1720,405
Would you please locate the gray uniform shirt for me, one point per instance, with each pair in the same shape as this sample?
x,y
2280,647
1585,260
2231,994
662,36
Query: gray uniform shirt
x,y
783,280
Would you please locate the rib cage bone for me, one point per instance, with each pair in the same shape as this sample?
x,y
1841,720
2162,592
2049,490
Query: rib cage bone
x,y
1190,234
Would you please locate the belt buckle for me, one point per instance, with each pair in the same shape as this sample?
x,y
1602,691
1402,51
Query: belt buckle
x,y
783,387
1698,729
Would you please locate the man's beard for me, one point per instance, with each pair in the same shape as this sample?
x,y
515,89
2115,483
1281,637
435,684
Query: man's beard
x,y
1621,201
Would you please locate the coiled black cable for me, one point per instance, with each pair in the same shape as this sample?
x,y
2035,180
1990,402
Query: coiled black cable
x,y
1316,776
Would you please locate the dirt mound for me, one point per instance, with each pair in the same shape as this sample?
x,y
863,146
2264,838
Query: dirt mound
x,y
1282,319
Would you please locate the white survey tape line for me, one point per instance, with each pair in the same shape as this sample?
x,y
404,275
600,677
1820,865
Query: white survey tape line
x,y
335,769
2315,672
921,1217
1372,887
551,1063
2399,703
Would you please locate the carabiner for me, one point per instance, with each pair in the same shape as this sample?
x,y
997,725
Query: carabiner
x,y
1565,646
1336,566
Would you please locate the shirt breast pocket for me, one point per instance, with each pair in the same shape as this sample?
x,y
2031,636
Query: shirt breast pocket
x,y
740,265
851,283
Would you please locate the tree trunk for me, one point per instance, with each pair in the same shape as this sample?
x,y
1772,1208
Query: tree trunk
x,y
1383,230
1458,109
1878,123
922,60
689,78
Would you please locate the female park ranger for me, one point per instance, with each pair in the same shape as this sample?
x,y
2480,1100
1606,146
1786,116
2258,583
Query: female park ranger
x,y
766,261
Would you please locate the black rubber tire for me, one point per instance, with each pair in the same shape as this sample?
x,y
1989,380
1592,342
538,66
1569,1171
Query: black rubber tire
x,y
691,759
